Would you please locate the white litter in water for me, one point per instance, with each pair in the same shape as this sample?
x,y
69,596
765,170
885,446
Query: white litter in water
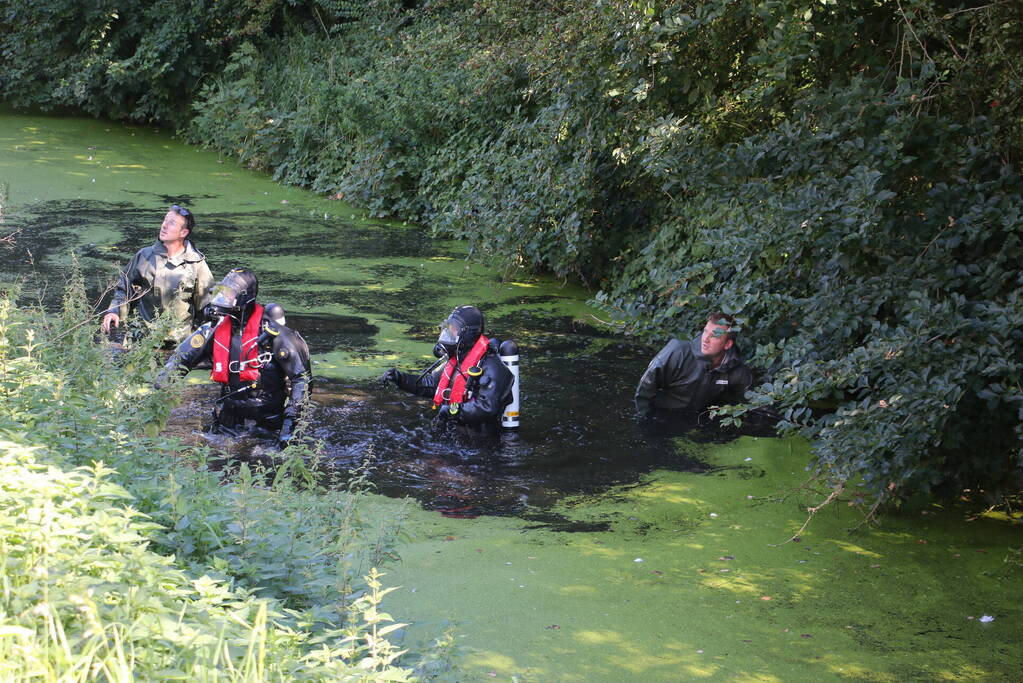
x,y
747,459
986,619
713,514
638,559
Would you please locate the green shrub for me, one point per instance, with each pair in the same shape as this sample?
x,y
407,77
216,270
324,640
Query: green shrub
x,y
120,560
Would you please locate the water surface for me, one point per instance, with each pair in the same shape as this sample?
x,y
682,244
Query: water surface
x,y
366,295
586,547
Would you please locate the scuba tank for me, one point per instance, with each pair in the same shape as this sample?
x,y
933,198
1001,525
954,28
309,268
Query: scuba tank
x,y
509,353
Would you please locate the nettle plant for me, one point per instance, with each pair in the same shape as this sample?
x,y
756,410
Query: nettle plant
x,y
124,556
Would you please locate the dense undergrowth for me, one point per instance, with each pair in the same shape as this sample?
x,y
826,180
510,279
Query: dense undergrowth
x,y
120,559
840,175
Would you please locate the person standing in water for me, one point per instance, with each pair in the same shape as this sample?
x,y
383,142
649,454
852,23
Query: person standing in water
x,y
262,365
692,375
170,276
469,384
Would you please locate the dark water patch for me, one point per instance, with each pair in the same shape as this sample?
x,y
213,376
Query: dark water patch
x,y
263,234
552,522
527,320
419,295
579,434
325,333
186,200
576,439
49,231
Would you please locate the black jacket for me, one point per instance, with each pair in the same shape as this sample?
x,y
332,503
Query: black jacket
x,y
486,396
680,378
283,379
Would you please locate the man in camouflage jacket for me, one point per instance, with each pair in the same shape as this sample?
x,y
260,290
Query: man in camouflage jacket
x,y
170,276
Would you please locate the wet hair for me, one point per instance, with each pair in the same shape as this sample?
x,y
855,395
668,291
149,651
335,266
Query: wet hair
x,y
724,319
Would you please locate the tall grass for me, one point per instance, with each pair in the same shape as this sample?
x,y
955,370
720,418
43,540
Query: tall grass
x,y
122,560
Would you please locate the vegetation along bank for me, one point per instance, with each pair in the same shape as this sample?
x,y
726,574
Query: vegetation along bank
x,y
120,562
841,176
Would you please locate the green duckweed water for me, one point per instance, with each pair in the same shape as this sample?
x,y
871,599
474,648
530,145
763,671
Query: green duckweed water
x,y
609,564
101,189
694,581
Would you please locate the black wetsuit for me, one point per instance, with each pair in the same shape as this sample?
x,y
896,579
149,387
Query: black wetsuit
x,y
273,400
486,396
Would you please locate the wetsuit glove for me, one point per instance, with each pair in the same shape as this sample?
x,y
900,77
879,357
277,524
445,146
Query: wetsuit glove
x,y
285,436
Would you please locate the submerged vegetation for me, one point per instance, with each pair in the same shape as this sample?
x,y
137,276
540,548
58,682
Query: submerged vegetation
x,y
121,560
839,175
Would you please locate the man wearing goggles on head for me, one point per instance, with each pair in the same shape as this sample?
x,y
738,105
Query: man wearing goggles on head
x,y
171,275
469,384
262,366
695,374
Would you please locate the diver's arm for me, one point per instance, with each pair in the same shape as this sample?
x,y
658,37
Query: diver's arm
x,y
740,382
660,373
195,347
296,402
291,353
423,384
649,383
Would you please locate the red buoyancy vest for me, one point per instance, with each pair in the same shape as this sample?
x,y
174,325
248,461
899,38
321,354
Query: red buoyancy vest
x,y
249,361
458,388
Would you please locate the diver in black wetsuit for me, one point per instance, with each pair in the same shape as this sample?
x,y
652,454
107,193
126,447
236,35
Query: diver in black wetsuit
x,y
262,366
469,384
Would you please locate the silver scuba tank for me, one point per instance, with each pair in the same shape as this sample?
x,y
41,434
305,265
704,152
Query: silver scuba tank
x,y
509,353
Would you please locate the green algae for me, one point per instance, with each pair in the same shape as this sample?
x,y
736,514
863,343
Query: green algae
x,y
694,580
563,599
100,189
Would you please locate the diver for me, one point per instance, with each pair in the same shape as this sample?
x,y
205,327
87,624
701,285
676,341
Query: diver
x,y
470,385
262,366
